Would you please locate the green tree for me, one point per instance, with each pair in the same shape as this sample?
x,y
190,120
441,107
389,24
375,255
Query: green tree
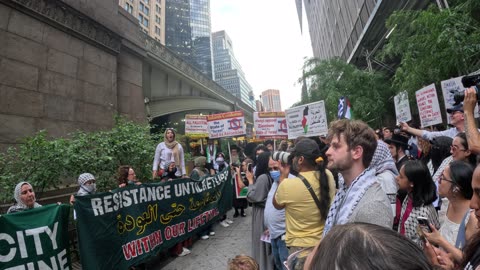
x,y
369,93
433,44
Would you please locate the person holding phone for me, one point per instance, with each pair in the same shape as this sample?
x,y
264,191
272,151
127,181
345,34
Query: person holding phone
x,y
459,222
415,179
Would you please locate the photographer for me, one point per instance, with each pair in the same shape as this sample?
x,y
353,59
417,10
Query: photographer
x,y
305,198
473,135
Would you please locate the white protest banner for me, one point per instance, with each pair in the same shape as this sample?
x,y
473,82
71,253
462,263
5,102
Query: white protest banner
x,y
307,120
428,107
270,125
228,124
196,125
449,88
402,107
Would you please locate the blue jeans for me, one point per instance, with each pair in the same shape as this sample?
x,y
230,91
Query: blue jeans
x,y
280,252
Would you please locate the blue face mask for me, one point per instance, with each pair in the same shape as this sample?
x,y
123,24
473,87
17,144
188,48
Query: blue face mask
x,y
275,175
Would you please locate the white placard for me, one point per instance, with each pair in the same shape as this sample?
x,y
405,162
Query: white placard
x,y
449,87
428,107
228,124
307,120
196,125
402,107
270,125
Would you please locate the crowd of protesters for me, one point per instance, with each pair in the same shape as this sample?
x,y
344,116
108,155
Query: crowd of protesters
x,y
394,198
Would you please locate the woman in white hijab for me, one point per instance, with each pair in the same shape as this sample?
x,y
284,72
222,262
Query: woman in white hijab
x,y
25,197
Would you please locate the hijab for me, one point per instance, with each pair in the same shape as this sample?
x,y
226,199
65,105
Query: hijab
x,y
173,145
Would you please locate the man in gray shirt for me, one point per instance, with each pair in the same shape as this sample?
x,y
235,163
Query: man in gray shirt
x,y
360,197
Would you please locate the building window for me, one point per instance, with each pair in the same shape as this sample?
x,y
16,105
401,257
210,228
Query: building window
x,y
159,2
143,20
129,8
144,8
157,30
157,19
158,9
147,1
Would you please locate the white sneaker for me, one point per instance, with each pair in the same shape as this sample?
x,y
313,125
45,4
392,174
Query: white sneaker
x,y
185,252
205,237
229,221
212,233
224,224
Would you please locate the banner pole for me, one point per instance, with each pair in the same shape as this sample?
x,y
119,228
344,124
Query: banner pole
x,y
229,152
274,145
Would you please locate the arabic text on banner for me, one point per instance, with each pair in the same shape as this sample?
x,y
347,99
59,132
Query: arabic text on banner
x,y
307,120
123,227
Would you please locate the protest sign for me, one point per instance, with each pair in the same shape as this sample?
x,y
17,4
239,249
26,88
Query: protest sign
x,y
228,124
449,88
196,125
307,120
240,193
35,239
123,227
402,107
428,107
270,125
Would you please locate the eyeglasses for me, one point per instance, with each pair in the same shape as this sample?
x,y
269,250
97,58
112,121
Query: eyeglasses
x,y
455,148
443,178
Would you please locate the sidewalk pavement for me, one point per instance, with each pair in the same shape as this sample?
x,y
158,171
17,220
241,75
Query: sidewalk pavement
x,y
215,252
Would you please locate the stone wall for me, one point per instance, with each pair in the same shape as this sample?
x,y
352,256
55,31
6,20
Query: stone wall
x,y
56,79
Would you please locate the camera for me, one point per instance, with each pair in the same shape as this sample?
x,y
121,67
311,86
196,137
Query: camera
x,y
281,156
468,81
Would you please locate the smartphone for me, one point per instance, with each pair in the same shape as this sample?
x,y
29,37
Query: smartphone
x,y
249,167
424,224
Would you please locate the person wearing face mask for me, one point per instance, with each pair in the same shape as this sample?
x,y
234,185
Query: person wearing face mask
x,y
305,198
86,181
219,166
25,197
275,220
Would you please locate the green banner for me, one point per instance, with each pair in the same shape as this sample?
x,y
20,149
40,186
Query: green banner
x,y
35,239
121,228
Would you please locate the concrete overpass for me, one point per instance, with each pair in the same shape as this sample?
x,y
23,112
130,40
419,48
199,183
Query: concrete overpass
x,y
71,65
171,85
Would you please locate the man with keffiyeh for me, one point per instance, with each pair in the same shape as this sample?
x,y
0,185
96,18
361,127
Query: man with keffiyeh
x,y
360,197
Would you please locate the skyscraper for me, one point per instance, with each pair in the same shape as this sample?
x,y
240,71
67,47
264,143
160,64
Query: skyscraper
x,y
351,30
187,32
271,100
150,14
228,72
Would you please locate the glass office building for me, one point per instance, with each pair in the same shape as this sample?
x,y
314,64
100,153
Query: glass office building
x,y
228,72
187,32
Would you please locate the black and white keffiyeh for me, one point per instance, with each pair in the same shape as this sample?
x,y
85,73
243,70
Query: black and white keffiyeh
x,y
382,159
348,197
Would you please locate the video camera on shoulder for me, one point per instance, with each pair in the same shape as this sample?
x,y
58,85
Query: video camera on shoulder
x,y
468,81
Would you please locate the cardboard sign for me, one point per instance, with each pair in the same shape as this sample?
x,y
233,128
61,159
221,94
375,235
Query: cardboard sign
x,y
271,125
228,124
196,125
307,120
402,107
428,107
449,88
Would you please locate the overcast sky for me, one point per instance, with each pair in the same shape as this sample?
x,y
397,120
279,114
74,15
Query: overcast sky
x,y
267,42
